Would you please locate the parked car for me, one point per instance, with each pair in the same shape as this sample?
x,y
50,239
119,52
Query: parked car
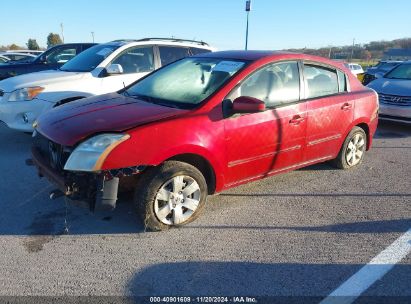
x,y
355,68
378,70
4,60
101,69
46,61
394,92
19,56
202,125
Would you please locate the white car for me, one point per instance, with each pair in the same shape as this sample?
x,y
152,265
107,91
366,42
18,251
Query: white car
x,y
101,69
355,68
33,52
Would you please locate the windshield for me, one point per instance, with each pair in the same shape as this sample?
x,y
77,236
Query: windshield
x,y
402,71
89,59
185,83
387,66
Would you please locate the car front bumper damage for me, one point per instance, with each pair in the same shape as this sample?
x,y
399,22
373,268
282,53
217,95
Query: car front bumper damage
x,y
98,190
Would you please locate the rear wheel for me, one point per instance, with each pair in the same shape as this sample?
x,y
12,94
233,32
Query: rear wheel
x,y
353,150
172,194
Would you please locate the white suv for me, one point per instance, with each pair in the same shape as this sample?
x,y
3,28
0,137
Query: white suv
x,y
101,69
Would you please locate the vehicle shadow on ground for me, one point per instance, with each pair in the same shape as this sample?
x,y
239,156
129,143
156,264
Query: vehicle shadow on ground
x,y
388,129
326,166
51,218
285,283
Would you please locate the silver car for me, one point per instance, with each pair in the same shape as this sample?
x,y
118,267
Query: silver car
x,y
394,92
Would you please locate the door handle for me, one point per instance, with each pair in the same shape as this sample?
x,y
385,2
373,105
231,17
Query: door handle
x,y
296,120
347,106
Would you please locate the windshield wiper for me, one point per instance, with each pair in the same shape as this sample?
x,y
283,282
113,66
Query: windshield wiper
x,y
143,97
153,100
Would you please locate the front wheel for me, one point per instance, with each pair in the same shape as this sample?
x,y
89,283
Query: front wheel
x,y
172,194
353,150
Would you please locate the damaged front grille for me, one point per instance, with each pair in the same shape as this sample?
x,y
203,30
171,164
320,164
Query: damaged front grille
x,y
55,153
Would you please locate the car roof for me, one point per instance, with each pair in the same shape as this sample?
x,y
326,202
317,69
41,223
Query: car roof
x,y
18,53
257,55
74,43
23,51
240,55
162,41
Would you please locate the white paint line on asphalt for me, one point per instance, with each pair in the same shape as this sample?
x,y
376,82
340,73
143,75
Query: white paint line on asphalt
x,y
351,289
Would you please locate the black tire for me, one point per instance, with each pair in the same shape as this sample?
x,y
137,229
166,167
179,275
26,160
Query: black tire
x,y
155,178
341,160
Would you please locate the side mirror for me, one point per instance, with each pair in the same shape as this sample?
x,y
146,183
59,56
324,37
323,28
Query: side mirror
x,y
43,59
246,104
114,69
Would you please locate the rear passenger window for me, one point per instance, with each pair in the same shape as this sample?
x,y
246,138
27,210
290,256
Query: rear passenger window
x,y
170,54
342,82
320,81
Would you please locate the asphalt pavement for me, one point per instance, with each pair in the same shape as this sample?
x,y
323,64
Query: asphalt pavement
x,y
300,234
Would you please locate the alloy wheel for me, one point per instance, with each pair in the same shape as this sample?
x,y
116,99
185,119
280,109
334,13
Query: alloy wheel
x,y
177,200
355,149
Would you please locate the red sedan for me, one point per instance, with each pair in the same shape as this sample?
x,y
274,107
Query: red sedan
x,y
202,125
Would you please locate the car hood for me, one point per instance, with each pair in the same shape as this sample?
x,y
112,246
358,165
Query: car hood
x,y
38,79
399,87
73,122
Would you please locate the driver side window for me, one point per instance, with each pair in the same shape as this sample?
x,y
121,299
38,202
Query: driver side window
x,y
277,84
136,60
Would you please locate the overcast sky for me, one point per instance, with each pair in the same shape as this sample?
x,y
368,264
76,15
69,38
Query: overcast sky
x,y
274,24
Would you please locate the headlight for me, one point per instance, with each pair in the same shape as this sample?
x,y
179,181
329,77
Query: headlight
x,y
90,154
25,94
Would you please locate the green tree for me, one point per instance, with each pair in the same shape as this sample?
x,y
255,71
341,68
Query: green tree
x,y
32,44
53,39
14,47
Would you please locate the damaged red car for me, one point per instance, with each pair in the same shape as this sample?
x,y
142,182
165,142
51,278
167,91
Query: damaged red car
x,y
202,125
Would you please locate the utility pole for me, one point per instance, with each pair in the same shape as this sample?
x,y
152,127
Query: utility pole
x,y
92,35
62,32
247,9
352,50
